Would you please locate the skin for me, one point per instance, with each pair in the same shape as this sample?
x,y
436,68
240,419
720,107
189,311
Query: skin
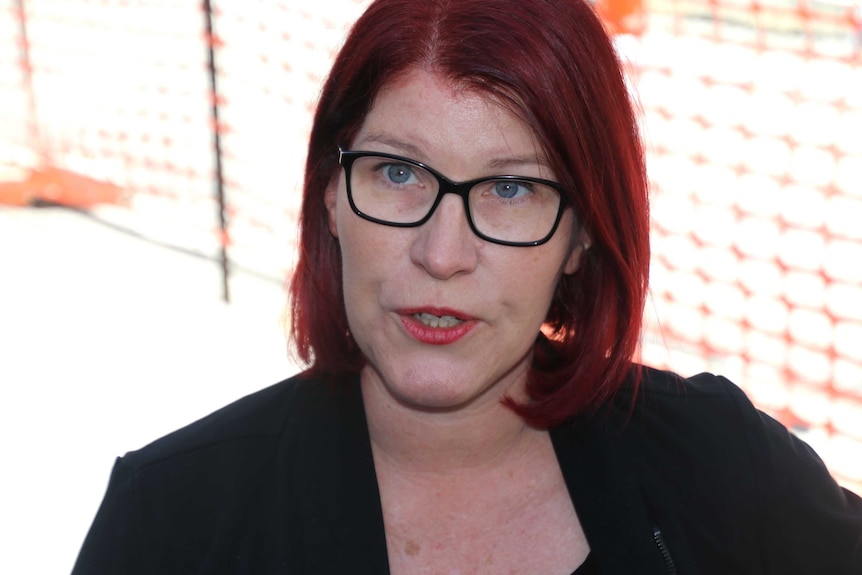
x,y
466,485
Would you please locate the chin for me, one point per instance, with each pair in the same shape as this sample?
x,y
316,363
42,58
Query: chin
x,y
434,401
440,392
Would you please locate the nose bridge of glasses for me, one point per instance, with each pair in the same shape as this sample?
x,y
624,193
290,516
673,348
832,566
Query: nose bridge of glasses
x,y
447,186
462,189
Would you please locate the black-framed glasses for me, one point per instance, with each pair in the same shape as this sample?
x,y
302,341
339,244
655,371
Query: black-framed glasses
x,y
397,191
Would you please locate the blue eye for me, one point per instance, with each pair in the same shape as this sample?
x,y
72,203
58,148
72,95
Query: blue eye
x,y
399,173
508,189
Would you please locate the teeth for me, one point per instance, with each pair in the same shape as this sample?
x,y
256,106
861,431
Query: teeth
x,y
437,321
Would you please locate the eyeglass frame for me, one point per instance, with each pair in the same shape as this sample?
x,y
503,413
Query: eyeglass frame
x,y
346,158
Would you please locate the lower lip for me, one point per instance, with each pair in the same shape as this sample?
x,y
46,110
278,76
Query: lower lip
x,y
436,335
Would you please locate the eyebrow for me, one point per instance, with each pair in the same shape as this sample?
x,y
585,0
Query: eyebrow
x,y
402,147
528,160
414,151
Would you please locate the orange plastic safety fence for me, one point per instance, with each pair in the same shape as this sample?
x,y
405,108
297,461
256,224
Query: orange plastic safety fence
x,y
14,125
272,59
120,100
753,118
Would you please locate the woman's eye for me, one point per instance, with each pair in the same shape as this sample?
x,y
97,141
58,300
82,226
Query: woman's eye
x,y
508,189
399,173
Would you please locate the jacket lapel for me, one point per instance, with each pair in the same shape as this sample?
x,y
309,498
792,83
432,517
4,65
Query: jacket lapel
x,y
604,488
340,521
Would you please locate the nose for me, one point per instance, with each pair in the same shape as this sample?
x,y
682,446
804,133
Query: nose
x,y
445,245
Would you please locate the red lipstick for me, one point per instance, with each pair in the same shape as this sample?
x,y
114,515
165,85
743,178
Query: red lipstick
x,y
441,335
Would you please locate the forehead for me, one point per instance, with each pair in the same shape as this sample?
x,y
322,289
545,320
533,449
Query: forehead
x,y
429,117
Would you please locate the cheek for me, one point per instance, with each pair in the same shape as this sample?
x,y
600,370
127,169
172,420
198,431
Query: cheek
x,y
536,279
358,281
370,253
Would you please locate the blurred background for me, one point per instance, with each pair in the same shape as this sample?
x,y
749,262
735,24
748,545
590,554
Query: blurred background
x,y
151,157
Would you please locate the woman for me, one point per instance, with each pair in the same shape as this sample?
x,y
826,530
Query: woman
x,y
473,267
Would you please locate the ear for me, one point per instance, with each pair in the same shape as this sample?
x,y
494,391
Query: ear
x,y
330,199
582,244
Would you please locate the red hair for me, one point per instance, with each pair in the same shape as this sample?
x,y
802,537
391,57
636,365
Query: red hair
x,y
552,63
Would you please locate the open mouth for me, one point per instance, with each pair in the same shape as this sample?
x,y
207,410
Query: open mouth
x,y
437,321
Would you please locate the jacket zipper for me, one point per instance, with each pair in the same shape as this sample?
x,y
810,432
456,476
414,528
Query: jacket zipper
x,y
665,553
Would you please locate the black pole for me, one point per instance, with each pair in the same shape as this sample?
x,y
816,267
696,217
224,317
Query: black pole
x,y
219,176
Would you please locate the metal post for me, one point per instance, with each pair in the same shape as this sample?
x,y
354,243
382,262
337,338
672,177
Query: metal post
x,y
219,177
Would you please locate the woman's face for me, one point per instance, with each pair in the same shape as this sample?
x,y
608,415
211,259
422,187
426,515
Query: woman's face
x,y
445,319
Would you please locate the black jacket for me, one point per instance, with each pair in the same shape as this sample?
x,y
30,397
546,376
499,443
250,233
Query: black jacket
x,y
694,480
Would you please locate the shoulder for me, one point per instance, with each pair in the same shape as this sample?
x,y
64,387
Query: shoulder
x,y
204,493
701,448
704,402
244,489
258,418
671,386
701,404
711,414
712,423
687,424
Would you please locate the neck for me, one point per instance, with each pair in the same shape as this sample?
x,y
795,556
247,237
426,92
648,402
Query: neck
x,y
445,443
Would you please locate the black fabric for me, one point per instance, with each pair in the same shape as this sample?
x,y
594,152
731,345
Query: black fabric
x,y
588,567
693,480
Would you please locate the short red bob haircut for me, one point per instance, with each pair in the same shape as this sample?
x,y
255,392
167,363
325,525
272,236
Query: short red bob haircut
x,y
551,63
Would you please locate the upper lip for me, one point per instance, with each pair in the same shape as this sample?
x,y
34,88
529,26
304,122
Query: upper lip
x,y
438,311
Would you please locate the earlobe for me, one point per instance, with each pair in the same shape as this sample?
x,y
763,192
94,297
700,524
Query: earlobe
x,y
579,250
330,199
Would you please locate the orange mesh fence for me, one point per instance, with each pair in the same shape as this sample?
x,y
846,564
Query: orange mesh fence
x,y
752,114
119,103
272,60
753,118
15,143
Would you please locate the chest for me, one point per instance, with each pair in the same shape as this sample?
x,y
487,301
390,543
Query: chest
x,y
495,531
